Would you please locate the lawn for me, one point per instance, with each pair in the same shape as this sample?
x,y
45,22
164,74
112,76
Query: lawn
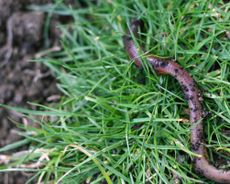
x,y
117,124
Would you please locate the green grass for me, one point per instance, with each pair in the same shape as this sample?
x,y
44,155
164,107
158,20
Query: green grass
x,y
109,126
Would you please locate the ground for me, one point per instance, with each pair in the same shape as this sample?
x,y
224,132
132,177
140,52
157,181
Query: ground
x,y
22,81
110,125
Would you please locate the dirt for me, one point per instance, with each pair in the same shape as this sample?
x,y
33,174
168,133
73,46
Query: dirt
x,y
23,81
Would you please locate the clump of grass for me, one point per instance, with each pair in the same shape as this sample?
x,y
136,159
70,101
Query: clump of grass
x,y
110,126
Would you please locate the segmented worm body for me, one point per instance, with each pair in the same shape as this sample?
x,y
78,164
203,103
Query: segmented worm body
x,y
192,95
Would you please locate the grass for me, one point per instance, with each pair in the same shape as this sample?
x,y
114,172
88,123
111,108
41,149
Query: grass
x,y
110,126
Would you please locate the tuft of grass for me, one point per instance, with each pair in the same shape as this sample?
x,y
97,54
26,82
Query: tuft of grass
x,y
112,127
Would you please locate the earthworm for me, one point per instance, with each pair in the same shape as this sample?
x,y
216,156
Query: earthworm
x,y
192,95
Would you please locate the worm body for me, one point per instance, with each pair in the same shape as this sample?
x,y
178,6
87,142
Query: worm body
x,y
192,95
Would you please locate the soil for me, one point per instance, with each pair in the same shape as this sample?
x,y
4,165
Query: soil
x,y
22,81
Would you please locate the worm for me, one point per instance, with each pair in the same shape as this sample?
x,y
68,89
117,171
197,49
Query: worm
x,y
192,95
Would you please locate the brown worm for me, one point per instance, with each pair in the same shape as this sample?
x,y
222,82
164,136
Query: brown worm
x,y
192,95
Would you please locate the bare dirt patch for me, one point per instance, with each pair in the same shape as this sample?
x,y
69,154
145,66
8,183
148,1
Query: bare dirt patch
x,y
22,81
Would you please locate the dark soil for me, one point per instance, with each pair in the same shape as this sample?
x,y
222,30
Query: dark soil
x,y
22,81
